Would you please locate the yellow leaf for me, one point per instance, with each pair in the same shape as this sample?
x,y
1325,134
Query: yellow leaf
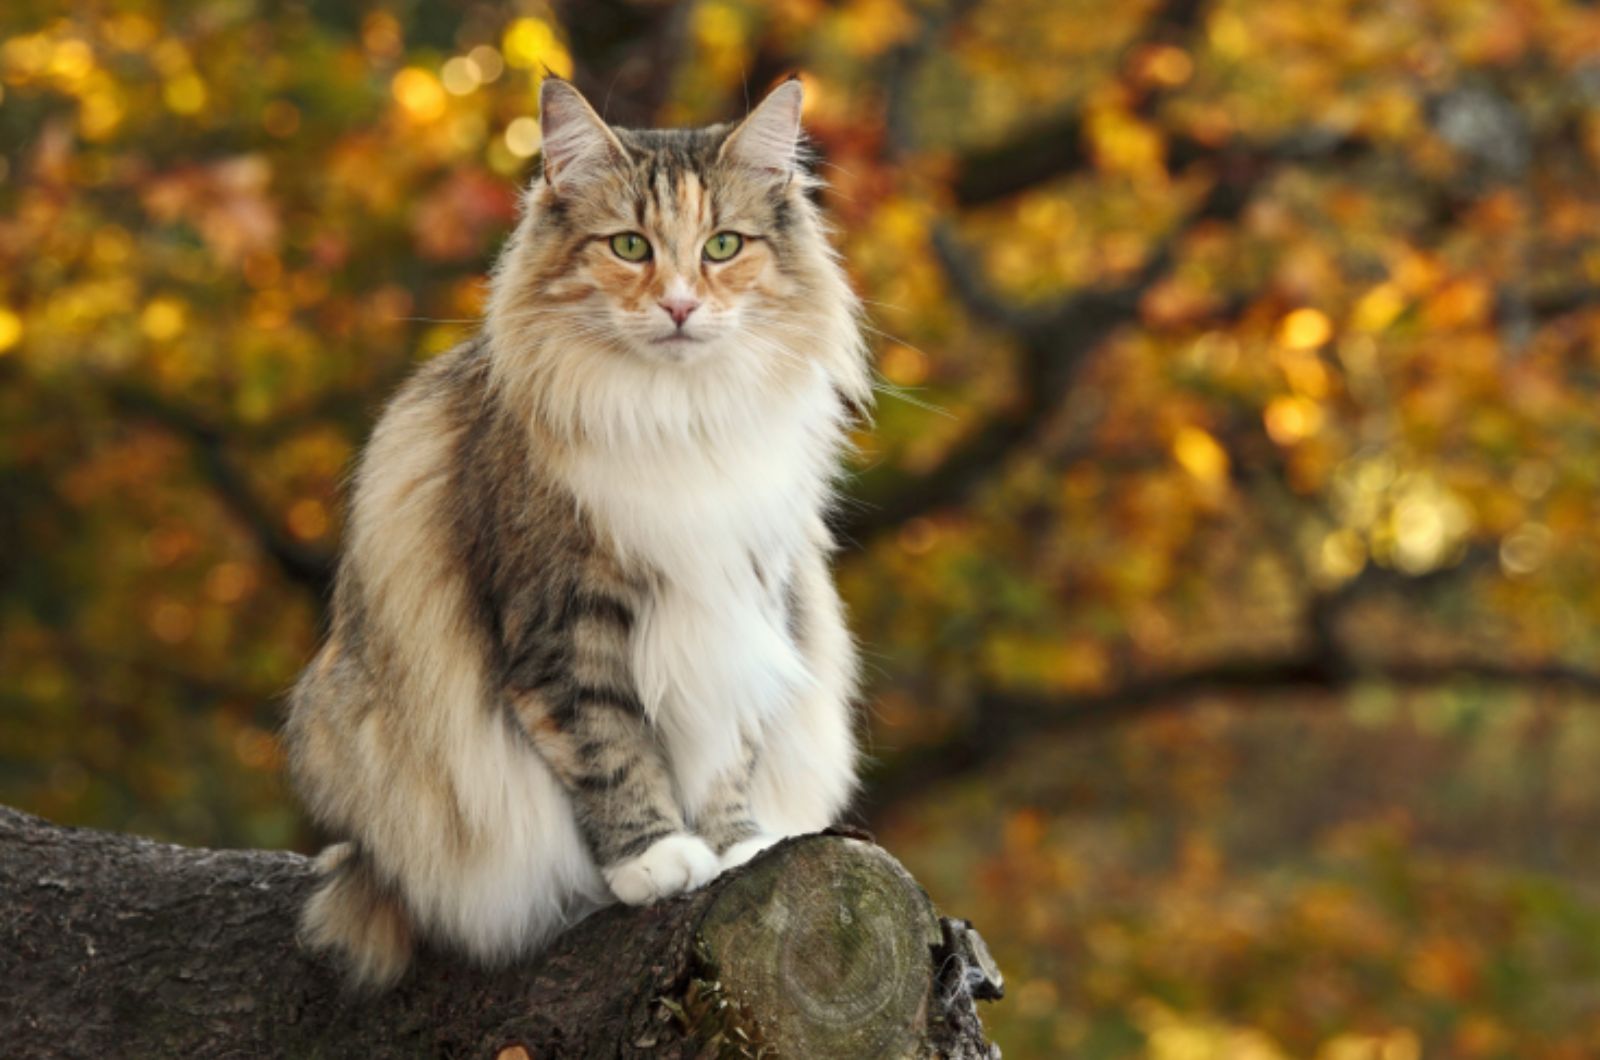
x,y
163,319
185,94
419,94
1306,375
1341,557
530,44
1124,144
10,329
903,365
1200,455
1292,419
1305,329
1378,308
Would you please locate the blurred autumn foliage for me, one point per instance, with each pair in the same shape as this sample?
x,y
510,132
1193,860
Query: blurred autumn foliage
x,y
1224,550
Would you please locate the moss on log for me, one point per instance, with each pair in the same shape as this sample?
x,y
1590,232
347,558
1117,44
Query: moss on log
x,y
824,946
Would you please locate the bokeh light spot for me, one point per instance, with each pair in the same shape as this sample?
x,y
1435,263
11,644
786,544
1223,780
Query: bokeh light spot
x,y
531,44
489,63
460,76
185,94
419,94
1305,329
10,329
308,519
1200,455
1292,419
163,319
523,137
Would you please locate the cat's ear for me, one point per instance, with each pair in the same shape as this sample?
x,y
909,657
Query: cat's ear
x,y
769,139
576,141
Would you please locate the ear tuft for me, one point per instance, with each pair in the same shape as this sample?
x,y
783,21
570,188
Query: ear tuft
x,y
769,138
576,141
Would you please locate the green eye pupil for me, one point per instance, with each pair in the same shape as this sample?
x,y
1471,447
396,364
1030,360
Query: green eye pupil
x,y
723,246
630,246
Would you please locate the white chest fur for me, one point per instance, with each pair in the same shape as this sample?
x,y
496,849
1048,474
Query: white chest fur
x,y
720,522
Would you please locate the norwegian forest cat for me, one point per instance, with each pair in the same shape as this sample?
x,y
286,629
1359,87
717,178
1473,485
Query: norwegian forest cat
x,y
585,645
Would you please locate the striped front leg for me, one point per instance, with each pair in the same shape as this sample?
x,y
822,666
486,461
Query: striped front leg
x,y
726,821
572,692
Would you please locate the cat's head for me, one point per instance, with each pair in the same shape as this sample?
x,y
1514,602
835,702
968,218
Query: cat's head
x,y
660,254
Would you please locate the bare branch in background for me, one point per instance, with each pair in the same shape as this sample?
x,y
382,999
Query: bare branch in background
x,y
1007,722
1548,305
310,568
1055,342
1053,346
1055,147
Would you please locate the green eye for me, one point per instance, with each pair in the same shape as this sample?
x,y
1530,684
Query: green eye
x,y
723,246
631,246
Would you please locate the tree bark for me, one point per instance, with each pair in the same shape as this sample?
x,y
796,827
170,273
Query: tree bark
x,y
824,946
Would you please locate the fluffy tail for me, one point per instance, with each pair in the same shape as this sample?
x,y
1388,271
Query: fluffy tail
x,y
352,913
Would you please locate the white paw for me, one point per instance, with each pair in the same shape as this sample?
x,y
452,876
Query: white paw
x,y
744,850
669,866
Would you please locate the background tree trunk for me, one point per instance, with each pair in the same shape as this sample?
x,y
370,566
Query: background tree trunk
x,y
111,945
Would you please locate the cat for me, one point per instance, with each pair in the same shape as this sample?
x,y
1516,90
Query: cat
x,y
585,645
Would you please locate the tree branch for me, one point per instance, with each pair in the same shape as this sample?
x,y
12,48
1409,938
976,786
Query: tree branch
x,y
1007,721
307,567
823,946
1054,147
1547,305
1055,340
1055,343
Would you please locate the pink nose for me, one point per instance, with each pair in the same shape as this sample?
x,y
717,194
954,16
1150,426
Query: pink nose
x,y
679,308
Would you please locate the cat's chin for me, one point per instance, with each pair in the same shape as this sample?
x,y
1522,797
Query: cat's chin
x,y
677,349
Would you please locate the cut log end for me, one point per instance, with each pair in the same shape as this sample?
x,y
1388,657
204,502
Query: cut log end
x,y
831,943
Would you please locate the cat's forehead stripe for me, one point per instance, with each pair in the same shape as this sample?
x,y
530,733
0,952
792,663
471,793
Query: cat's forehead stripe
x,y
692,197
673,194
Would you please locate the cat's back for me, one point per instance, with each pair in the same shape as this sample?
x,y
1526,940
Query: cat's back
x,y
403,655
392,527
401,489
399,577
425,416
